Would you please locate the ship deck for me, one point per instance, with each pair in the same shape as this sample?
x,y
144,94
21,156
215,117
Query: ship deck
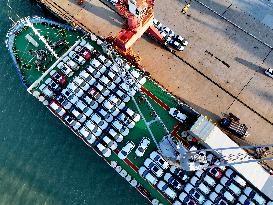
x,y
159,98
23,47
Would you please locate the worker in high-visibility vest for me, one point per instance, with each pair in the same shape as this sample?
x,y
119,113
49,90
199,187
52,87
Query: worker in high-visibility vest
x,y
186,7
80,2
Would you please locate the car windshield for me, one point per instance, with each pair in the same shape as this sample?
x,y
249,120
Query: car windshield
x,y
57,75
175,183
161,161
213,171
140,149
123,152
155,169
196,195
175,112
164,187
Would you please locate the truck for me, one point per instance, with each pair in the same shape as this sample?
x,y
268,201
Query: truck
x,y
232,124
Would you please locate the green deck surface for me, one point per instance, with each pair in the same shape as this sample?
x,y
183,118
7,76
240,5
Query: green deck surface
x,y
139,131
23,47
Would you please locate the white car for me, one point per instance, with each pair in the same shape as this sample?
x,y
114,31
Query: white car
x,y
126,120
231,186
203,188
177,114
121,128
87,77
81,83
97,119
118,137
228,196
104,150
117,102
138,76
181,174
93,128
168,31
143,171
65,69
79,59
153,167
254,195
232,175
111,107
106,115
86,133
96,64
114,77
73,65
74,87
123,153
70,96
177,202
84,108
159,160
46,90
209,180
110,143
133,115
79,116
142,147
122,96
243,199
93,71
208,202
163,186
90,102
194,180
269,72
56,108
89,47
72,122
102,59
197,196
103,90
172,181
96,95
83,42
109,84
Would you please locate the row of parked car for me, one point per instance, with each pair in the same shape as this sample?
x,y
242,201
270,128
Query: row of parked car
x,y
217,185
168,179
93,103
174,40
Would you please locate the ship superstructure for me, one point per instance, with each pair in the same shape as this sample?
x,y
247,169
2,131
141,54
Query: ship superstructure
x,y
113,107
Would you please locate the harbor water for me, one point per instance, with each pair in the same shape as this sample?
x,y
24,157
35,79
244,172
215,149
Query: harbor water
x,y
41,160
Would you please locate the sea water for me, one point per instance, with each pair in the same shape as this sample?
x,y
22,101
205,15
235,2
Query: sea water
x,y
41,160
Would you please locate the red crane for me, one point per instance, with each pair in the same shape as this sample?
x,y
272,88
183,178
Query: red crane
x,y
140,15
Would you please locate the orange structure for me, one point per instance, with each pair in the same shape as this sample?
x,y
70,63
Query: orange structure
x,y
140,15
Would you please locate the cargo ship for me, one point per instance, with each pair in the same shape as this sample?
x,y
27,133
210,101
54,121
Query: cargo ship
x,y
128,119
